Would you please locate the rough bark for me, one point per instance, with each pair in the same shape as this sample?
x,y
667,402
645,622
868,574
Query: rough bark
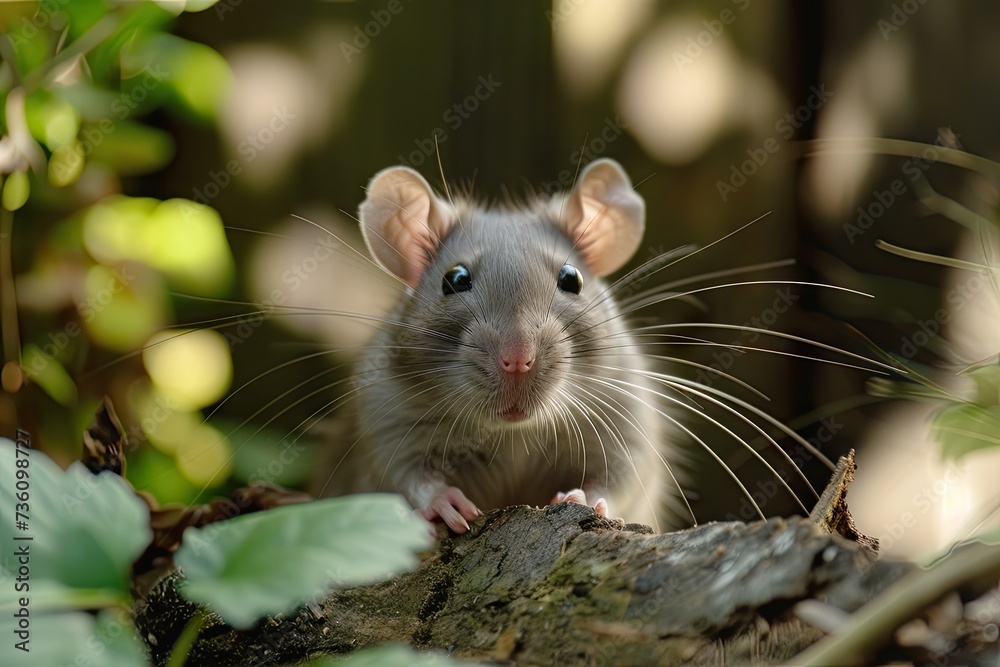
x,y
561,585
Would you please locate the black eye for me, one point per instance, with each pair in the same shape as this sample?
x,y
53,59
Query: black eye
x,y
569,279
457,279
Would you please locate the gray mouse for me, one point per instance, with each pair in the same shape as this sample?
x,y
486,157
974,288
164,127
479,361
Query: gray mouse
x,y
506,373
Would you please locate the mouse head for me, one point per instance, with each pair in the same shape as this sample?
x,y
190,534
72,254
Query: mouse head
x,y
404,223
514,294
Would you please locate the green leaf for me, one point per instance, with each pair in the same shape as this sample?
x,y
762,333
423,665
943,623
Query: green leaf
x,y
86,529
198,5
191,246
991,536
271,562
965,428
182,238
77,639
154,472
390,656
16,190
31,45
131,149
987,379
178,6
66,164
48,372
197,75
201,78
917,391
62,123
83,15
49,595
931,258
137,20
263,454
122,307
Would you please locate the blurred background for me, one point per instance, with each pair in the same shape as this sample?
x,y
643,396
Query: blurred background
x,y
179,181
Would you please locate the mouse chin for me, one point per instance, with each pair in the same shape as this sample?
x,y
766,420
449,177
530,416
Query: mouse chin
x,y
514,414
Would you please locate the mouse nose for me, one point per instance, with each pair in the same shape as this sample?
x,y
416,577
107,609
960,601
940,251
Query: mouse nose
x,y
516,358
516,364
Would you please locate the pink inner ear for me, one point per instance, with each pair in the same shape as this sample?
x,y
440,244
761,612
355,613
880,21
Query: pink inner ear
x,y
598,237
414,239
604,217
404,222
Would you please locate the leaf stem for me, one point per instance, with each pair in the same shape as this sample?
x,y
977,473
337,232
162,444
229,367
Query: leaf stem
x,y
179,653
99,32
874,623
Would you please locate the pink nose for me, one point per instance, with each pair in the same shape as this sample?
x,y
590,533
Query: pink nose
x,y
516,359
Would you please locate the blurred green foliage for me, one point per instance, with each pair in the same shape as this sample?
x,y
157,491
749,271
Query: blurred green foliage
x,y
98,95
270,562
86,530
95,266
390,656
967,418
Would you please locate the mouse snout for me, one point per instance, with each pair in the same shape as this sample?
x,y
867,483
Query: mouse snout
x,y
517,356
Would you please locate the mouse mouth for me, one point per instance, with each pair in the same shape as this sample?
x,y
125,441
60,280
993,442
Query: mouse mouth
x,y
515,413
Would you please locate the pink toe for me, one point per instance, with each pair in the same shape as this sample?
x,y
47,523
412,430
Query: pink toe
x,y
579,496
465,507
453,519
452,507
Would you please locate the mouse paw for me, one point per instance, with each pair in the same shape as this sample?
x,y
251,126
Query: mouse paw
x,y
579,496
451,506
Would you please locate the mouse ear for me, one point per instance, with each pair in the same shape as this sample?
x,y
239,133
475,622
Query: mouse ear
x,y
604,216
403,222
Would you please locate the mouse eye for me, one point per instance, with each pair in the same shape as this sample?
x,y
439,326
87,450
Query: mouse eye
x,y
569,279
457,279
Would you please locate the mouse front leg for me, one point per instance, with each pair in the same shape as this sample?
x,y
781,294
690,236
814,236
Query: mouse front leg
x,y
408,471
452,507
433,498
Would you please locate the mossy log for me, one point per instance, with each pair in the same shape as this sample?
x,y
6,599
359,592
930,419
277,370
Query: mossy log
x,y
560,585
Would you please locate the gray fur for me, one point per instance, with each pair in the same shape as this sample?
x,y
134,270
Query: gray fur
x,y
429,392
